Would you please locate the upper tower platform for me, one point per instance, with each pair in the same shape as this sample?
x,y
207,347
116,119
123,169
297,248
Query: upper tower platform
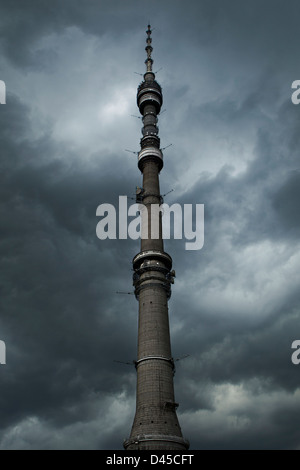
x,y
149,101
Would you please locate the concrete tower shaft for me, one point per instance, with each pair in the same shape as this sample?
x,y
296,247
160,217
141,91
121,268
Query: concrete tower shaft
x,y
155,424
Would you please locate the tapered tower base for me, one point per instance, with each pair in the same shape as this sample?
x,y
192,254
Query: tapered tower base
x,y
156,442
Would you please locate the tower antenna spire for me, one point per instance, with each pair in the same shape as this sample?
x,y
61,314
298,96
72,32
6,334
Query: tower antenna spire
x,y
149,49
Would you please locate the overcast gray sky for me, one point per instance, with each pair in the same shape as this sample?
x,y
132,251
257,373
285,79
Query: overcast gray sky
x,y
227,69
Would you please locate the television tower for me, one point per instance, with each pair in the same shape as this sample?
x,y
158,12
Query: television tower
x,y
155,424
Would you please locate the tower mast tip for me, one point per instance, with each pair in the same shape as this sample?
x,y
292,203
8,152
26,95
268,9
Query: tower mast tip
x,y
149,49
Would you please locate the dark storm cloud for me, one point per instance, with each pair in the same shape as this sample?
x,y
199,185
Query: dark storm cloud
x,y
55,292
256,207
228,68
286,203
23,24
